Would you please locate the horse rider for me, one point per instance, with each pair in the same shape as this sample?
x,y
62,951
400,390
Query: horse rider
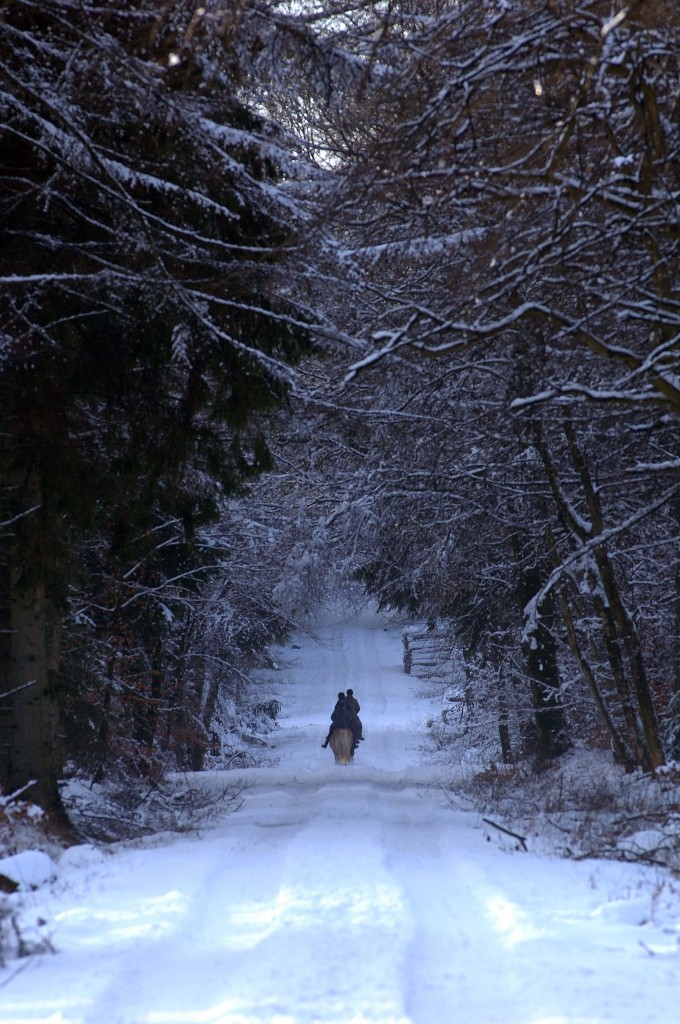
x,y
355,708
341,718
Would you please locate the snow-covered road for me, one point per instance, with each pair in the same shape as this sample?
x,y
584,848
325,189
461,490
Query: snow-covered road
x,y
350,894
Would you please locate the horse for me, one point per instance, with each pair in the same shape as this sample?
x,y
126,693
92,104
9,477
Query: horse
x,y
341,743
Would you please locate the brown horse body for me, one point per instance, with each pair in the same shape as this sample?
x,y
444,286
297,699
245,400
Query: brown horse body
x,y
341,743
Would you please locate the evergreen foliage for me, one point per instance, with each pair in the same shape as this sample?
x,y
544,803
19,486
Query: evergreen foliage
x,y
146,215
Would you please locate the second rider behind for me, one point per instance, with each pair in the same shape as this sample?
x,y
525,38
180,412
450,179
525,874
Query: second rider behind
x,y
355,708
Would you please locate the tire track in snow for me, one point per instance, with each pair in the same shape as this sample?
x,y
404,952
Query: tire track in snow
x,y
335,908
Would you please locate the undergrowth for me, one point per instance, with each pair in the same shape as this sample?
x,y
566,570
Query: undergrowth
x,y
583,806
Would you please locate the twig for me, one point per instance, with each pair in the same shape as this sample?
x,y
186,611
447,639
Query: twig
x,y
18,689
154,786
4,800
560,828
22,967
240,753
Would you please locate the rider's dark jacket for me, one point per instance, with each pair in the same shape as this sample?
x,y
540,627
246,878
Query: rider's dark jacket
x,y
341,716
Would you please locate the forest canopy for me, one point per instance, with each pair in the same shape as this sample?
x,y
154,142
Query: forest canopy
x,y
301,299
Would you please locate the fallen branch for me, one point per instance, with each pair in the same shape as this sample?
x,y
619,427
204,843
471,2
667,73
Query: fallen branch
x,y
501,828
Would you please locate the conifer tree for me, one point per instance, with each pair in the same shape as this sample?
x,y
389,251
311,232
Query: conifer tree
x,y
146,214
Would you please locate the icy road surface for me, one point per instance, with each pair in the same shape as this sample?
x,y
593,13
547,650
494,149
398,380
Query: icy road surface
x,y
353,895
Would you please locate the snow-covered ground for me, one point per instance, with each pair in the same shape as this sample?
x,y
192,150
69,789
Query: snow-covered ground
x,y
355,894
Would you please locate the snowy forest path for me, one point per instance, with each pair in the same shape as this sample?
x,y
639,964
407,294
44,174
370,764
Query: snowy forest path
x,y
343,895
389,897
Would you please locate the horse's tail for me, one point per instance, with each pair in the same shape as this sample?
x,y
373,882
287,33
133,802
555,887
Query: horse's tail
x,y
341,743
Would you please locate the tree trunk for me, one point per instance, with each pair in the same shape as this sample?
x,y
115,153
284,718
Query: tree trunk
x,y
622,754
550,735
104,729
503,722
675,704
5,656
612,647
622,634
653,754
32,722
621,642
30,716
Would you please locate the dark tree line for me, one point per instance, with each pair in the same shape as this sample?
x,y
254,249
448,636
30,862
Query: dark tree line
x,y
147,211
